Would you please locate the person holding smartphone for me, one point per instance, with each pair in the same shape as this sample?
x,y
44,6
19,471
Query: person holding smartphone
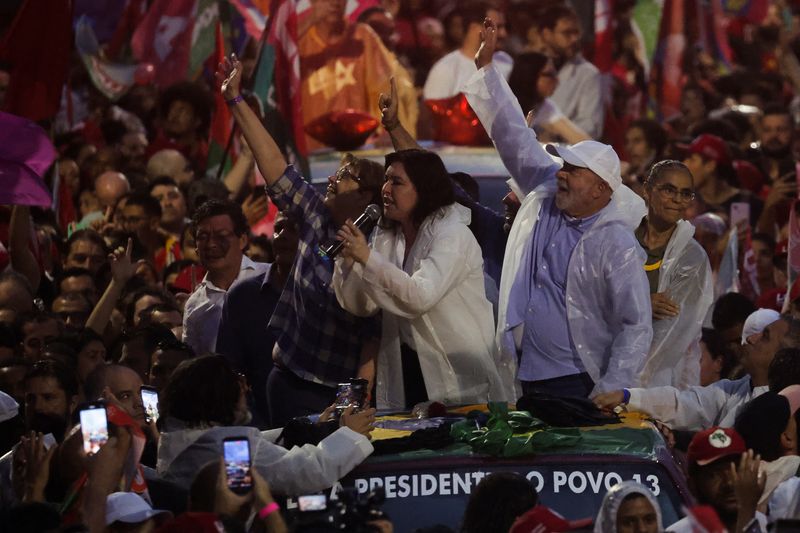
x,y
196,426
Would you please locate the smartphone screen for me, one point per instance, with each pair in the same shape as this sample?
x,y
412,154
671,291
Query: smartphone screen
x,y
740,214
311,503
150,403
94,427
353,393
236,452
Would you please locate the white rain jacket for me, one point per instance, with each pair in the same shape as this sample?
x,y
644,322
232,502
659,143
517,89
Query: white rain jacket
x,y
299,470
696,408
686,278
607,294
440,300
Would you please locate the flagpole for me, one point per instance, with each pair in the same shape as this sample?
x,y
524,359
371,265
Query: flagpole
x,y
249,82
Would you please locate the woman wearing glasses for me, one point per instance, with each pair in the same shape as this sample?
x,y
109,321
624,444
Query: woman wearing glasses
x,y
424,272
677,267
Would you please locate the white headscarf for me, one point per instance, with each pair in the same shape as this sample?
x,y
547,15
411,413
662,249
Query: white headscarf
x,y
606,521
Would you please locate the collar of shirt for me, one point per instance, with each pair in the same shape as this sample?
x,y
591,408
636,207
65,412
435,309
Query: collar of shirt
x,y
582,224
246,264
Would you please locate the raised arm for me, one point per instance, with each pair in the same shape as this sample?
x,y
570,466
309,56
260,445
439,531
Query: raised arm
x,y
268,156
389,105
122,270
497,108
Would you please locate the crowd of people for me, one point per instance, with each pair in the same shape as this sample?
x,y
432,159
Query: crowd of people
x,y
646,265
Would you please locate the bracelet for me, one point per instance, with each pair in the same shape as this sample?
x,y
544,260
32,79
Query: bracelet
x,y
235,100
626,396
268,510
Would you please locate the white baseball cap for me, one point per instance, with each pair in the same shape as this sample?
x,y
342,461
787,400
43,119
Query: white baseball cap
x,y
598,157
130,508
757,321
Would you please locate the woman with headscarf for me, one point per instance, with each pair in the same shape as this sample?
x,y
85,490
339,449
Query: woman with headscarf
x,y
629,507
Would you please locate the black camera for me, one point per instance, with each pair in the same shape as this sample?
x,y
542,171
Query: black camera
x,y
350,512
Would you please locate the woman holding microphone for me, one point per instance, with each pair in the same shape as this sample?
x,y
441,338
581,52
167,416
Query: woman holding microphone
x,y
423,270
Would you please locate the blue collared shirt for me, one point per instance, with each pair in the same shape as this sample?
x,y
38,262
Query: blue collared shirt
x,y
547,348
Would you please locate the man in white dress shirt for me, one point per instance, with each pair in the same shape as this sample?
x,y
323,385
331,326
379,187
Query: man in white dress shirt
x,y
220,230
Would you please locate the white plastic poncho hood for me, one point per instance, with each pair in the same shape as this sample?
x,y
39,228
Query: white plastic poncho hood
x,y
606,521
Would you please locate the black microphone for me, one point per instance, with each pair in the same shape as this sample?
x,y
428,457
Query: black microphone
x,y
365,223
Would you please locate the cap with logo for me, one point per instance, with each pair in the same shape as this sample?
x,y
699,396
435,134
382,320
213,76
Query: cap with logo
x,y
542,519
598,157
714,444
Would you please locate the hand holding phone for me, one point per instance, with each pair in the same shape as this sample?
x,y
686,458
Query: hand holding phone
x,y
94,426
236,452
150,403
352,393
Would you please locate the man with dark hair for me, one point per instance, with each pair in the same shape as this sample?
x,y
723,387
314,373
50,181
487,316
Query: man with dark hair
x,y
774,153
86,249
141,217
784,370
254,299
37,329
167,357
448,75
173,204
727,318
77,280
763,246
51,396
185,109
138,347
73,309
221,233
578,94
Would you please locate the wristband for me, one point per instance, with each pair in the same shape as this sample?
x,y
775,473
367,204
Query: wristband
x,y
626,396
235,100
268,510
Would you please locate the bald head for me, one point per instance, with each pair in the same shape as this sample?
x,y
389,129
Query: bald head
x,y
110,187
170,163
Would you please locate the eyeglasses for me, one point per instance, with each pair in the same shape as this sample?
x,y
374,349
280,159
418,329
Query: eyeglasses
x,y
675,194
344,174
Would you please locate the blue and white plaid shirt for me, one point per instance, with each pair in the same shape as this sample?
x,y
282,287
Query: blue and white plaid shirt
x,y
317,339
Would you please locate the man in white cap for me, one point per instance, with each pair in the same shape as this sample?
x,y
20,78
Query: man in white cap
x,y
697,408
574,312
127,511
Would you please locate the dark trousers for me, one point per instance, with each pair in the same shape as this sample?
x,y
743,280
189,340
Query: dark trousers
x,y
578,385
289,396
413,382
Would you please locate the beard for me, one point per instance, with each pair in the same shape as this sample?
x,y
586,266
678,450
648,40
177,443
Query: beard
x,y
776,152
48,423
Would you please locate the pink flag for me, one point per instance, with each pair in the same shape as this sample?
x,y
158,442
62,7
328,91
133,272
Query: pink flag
x,y
25,155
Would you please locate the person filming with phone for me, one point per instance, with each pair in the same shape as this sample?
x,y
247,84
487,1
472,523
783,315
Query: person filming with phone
x,y
424,271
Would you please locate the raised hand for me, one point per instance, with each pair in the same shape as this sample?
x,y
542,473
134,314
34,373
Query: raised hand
x,y
37,466
229,75
122,267
255,207
488,43
389,106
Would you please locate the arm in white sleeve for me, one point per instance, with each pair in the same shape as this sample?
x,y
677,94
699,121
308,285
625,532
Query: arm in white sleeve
x,y
350,288
306,469
589,112
693,409
497,108
394,290
629,295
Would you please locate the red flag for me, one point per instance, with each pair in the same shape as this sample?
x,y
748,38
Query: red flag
x,y
164,38
603,34
38,47
222,120
283,38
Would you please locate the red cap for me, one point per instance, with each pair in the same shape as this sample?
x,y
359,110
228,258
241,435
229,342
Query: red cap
x,y
714,444
541,519
749,176
710,147
196,522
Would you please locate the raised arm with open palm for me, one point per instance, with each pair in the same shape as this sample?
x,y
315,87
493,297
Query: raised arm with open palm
x,y
268,156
